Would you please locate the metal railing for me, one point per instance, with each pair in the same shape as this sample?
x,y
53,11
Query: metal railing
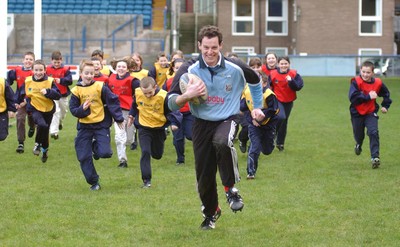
x,y
73,50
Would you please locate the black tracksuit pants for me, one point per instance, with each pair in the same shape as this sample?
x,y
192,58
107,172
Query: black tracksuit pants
x,y
213,148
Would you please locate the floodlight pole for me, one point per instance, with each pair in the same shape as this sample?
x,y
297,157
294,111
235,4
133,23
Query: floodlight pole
x,y
3,42
37,33
174,24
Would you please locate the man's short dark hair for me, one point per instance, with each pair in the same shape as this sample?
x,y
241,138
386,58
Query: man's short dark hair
x,y
209,32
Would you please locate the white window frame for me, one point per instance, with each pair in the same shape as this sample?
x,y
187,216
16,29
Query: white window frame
x,y
242,18
273,50
284,19
377,19
361,50
246,51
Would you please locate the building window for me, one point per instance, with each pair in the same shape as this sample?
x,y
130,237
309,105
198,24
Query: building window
x,y
279,51
244,52
370,17
204,7
370,54
243,17
277,17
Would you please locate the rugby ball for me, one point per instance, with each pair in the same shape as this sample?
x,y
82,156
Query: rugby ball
x,y
183,83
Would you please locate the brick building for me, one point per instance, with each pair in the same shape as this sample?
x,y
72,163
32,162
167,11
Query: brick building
x,y
357,27
363,27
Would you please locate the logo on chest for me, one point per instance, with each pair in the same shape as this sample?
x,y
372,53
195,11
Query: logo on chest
x,y
228,88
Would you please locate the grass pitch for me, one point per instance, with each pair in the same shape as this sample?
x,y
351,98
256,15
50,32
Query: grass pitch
x,y
315,193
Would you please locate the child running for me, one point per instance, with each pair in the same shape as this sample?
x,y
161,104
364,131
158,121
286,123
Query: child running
x,y
285,82
6,105
98,76
160,69
95,106
364,89
19,74
261,133
270,63
243,136
186,123
138,71
39,93
151,114
63,79
123,85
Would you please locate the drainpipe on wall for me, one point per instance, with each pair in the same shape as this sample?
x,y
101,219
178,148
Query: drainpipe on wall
x,y
260,34
215,13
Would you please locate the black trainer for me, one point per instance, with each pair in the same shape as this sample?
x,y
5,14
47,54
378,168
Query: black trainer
x,y
95,186
280,147
36,149
133,145
20,148
44,155
31,132
209,221
251,176
234,199
146,184
123,164
357,149
243,147
375,163
95,156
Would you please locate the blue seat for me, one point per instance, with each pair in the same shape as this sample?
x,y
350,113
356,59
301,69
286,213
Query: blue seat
x,y
147,12
148,2
27,11
18,8
70,7
147,7
61,6
112,8
146,23
28,6
47,10
138,6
